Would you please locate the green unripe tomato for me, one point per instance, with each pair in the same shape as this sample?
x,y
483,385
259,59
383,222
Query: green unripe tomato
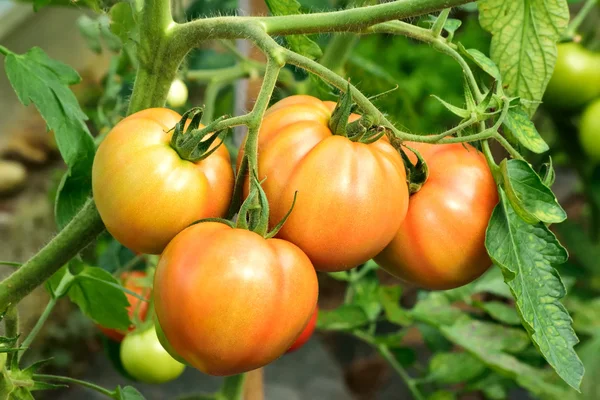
x,y
178,94
145,359
589,130
576,77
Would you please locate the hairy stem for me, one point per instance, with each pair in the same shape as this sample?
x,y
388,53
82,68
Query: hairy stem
x,y
78,233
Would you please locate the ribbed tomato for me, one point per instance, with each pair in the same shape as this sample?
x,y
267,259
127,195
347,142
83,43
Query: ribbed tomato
x,y
352,196
137,308
230,301
440,244
145,192
306,333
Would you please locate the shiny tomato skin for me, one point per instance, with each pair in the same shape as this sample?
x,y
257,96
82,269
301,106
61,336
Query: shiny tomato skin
x,y
352,196
144,358
589,130
306,333
440,244
130,280
145,193
229,301
576,77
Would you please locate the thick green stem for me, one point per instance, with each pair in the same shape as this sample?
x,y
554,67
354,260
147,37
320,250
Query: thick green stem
x,y
82,229
350,20
338,50
159,56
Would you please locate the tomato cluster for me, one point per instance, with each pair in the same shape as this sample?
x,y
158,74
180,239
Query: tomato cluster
x,y
229,300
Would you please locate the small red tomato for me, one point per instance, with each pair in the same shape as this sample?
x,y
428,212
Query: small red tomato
x,y
306,333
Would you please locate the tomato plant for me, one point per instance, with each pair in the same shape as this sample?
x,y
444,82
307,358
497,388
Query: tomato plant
x,y
440,244
321,185
139,182
133,281
238,304
340,219
145,359
576,77
589,130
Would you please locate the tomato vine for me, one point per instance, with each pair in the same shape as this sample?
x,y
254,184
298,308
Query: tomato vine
x,y
497,112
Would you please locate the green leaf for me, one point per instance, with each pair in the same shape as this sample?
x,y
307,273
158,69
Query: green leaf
x,y
38,79
524,36
345,317
38,4
366,295
129,393
299,43
492,282
90,30
529,197
526,254
482,61
436,310
340,276
451,368
482,344
392,340
501,312
73,191
519,125
98,295
389,296
123,22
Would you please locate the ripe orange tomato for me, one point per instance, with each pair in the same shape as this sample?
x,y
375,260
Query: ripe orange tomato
x,y
306,333
352,196
145,193
230,301
137,307
440,244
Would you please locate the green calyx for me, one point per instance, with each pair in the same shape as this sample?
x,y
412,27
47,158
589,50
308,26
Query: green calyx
x,y
194,143
254,212
362,130
416,173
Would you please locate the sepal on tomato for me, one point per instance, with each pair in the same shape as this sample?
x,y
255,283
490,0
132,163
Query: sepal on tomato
x,y
360,130
416,173
191,142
